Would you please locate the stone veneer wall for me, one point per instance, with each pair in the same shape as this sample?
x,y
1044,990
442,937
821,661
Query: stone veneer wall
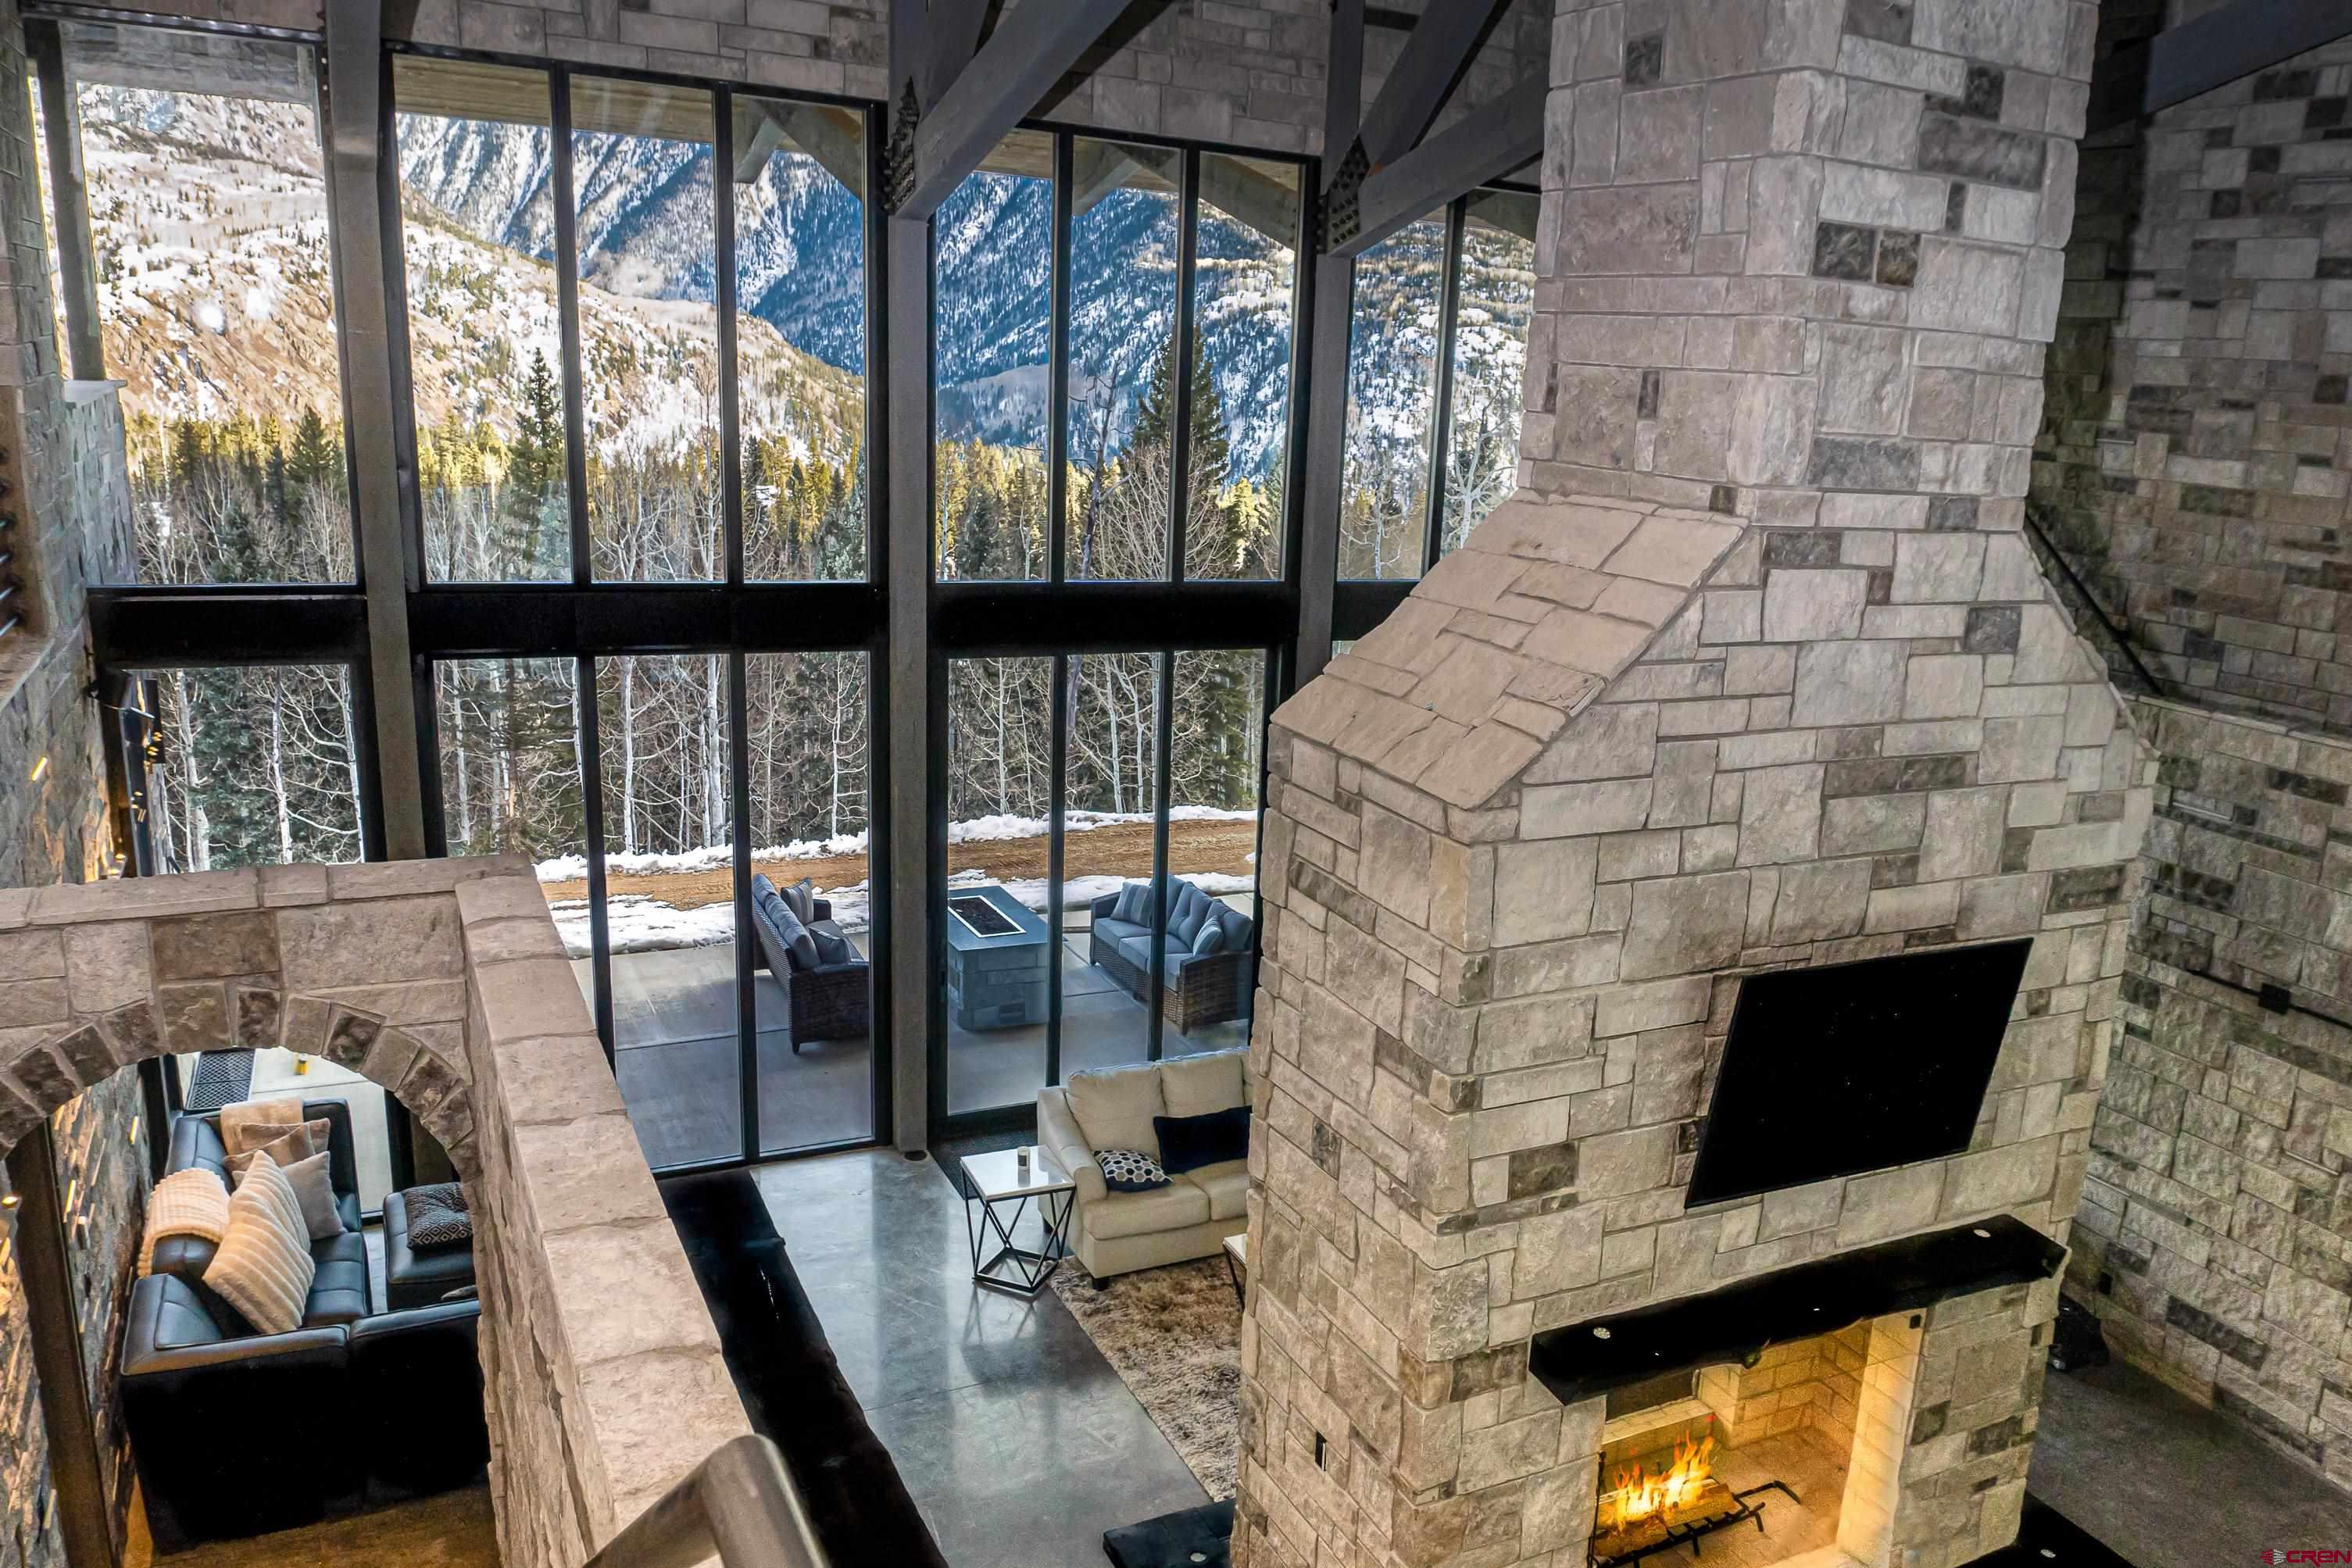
x,y
2195,461
2215,1238
1759,671
443,981
2192,467
1813,1384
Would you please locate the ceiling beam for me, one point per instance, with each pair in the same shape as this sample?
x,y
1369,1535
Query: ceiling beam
x,y
1438,51
2217,48
835,137
1489,141
1005,80
955,28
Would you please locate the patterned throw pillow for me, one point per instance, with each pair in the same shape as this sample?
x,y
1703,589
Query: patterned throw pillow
x,y
1125,1170
438,1217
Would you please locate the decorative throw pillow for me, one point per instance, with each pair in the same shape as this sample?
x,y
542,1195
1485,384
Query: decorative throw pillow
x,y
1124,1170
314,1192
801,899
1134,905
438,1217
1188,1142
832,946
192,1202
248,1123
263,1268
1210,938
291,1146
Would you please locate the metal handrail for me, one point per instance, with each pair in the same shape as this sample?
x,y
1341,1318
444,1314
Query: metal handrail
x,y
739,1502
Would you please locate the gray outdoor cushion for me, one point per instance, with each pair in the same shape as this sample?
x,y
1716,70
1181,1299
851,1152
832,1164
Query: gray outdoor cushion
x,y
801,899
1210,938
1184,920
1115,930
795,936
832,946
1134,904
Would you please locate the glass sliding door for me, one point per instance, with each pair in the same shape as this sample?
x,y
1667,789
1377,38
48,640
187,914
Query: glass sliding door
x,y
1216,761
511,780
996,945
806,719
1110,919
669,902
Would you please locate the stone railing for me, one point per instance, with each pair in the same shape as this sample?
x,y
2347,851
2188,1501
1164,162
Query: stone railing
x,y
444,982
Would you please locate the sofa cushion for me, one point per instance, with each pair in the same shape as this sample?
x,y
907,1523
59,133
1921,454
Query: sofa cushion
x,y
833,948
1191,907
1170,1207
1227,1184
263,1267
1115,1107
1188,1143
1196,1085
1111,929
795,937
1210,938
339,1291
801,899
321,1218
1133,905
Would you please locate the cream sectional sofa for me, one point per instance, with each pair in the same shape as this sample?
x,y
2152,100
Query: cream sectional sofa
x,y
1118,1232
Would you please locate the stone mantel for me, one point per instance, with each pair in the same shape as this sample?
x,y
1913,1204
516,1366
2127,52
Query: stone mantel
x,y
444,982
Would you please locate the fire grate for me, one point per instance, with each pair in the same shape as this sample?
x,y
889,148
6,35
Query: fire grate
x,y
1745,1506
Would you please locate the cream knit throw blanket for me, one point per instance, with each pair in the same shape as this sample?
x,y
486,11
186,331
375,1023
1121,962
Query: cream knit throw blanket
x,y
186,1203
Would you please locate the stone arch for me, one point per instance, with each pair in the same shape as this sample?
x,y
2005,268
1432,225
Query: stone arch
x,y
82,999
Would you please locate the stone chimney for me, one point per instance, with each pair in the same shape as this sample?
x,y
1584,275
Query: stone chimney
x,y
1758,671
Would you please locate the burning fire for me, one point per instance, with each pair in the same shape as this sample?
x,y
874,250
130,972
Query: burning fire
x,y
1641,1493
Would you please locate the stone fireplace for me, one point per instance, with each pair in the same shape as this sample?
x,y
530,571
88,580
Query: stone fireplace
x,y
1756,673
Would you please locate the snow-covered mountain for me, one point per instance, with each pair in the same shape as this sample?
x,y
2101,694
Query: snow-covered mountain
x,y
210,221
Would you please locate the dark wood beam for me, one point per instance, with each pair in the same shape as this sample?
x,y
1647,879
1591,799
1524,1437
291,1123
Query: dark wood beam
x,y
2215,50
1005,80
1449,37
1489,141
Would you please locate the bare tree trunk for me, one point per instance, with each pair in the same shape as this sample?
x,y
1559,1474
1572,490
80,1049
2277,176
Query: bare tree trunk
x,y
278,770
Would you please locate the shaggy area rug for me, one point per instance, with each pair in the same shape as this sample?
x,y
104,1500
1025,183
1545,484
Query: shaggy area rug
x,y
1175,1336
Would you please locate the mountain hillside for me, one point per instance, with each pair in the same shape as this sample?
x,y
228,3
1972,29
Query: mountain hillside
x,y
210,222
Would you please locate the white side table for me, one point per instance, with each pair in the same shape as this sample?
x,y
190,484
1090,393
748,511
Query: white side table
x,y
1002,1190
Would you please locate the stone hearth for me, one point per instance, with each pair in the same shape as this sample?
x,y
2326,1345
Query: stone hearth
x,y
1755,671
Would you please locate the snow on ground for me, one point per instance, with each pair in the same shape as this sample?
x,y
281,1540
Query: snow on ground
x,y
641,923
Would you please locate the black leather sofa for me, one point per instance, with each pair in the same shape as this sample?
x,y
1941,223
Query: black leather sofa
x,y
237,1434
414,1279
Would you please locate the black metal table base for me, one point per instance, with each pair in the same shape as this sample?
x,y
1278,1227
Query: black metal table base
x,y
1024,1271
1690,1535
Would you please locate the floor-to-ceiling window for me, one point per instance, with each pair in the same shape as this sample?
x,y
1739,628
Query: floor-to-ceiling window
x,y
630,328
1117,322
1437,353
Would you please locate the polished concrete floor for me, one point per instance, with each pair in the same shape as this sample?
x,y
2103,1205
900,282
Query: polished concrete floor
x,y
1015,1438
2168,1484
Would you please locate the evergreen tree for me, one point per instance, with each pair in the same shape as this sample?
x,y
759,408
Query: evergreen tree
x,y
535,471
318,456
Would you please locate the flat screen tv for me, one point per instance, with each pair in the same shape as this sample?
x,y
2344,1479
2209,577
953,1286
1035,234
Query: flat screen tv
x,y
1848,1068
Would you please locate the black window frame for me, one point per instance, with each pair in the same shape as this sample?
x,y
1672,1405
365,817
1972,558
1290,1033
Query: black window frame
x,y
137,628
